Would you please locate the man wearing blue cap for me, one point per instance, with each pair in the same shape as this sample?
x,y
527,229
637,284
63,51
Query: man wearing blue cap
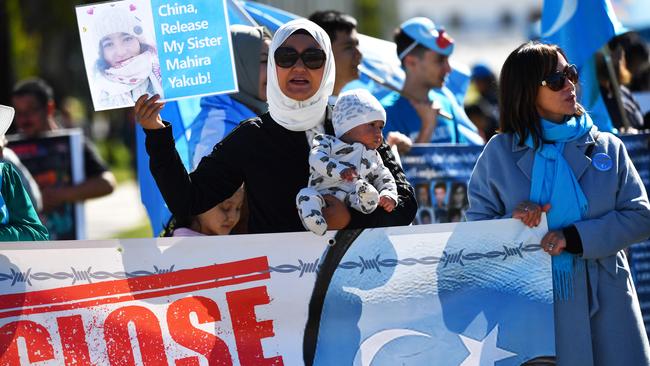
x,y
424,110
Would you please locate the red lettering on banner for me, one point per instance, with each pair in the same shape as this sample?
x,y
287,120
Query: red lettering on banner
x,y
138,288
182,331
248,331
84,349
73,340
147,329
37,339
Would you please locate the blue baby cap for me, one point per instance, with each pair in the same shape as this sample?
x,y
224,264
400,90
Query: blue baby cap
x,y
424,32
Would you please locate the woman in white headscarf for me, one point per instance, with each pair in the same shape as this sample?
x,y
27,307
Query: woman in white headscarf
x,y
269,153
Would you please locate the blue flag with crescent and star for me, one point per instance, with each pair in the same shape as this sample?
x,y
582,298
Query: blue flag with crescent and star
x,y
582,27
477,293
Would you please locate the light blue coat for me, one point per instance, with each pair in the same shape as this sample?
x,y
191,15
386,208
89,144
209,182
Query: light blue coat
x,y
601,324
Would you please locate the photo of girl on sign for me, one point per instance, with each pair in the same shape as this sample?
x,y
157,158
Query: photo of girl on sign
x,y
127,65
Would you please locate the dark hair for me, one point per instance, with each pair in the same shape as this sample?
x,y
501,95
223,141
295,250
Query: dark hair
x,y
176,223
101,63
616,47
442,185
36,87
521,77
333,21
632,43
455,188
403,41
301,31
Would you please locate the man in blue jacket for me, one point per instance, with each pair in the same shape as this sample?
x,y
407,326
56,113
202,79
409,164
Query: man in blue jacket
x,y
425,110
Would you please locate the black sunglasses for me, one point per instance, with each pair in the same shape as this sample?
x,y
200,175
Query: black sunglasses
x,y
556,80
312,58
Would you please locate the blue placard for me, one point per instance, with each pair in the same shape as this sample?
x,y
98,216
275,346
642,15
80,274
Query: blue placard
x,y
439,174
176,49
639,257
638,147
193,42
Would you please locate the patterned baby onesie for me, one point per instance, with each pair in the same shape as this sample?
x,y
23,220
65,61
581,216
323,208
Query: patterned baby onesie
x,y
329,156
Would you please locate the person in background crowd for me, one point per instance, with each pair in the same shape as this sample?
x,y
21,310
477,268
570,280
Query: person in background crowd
x,y
220,114
550,157
632,110
272,146
219,220
485,83
342,30
424,51
18,219
347,165
637,60
483,109
33,100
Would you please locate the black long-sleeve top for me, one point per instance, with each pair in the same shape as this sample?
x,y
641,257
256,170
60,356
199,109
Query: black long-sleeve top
x,y
273,163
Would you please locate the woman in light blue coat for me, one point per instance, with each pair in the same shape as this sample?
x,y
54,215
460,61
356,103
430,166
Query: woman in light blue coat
x,y
549,157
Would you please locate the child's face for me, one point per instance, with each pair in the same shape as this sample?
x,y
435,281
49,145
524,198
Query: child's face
x,y
368,134
119,47
220,219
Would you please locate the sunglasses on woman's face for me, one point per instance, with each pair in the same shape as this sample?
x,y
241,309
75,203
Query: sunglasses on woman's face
x,y
312,58
556,80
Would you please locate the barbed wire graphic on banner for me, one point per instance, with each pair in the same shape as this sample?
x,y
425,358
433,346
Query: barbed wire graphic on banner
x,y
376,263
303,267
76,275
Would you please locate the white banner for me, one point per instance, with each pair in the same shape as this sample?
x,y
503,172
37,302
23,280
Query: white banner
x,y
245,300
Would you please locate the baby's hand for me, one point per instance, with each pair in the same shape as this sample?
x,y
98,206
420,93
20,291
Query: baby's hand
x,y
387,203
349,174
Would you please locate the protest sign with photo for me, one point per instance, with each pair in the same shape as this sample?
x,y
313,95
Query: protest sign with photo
x,y
456,293
176,50
56,159
439,174
638,147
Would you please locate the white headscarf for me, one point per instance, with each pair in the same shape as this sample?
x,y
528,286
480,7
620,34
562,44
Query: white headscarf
x,y
289,113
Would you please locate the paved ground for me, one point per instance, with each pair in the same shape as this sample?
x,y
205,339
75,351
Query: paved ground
x,y
119,211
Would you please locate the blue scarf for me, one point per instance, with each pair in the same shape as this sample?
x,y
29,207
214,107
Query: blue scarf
x,y
553,182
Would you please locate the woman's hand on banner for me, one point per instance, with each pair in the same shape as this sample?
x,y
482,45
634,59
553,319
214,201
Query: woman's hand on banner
x,y
530,213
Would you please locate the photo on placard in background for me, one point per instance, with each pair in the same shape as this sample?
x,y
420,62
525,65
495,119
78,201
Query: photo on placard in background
x,y
425,216
55,159
458,201
441,201
119,47
422,194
